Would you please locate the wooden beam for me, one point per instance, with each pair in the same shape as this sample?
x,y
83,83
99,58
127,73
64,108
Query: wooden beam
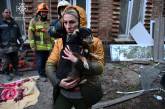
x,y
159,34
109,103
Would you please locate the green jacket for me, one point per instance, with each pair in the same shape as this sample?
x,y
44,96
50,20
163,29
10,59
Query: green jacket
x,y
38,37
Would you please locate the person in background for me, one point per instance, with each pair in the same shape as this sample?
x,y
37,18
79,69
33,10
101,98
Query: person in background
x,y
61,6
10,42
55,29
84,89
40,42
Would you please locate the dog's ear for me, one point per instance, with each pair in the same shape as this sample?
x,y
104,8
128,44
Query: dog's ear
x,y
85,32
87,37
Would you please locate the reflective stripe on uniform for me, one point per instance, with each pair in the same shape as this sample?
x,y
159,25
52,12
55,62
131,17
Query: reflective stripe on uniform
x,y
40,46
39,27
31,28
41,37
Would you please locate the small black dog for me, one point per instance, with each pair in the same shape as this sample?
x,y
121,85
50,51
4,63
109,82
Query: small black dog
x,y
79,43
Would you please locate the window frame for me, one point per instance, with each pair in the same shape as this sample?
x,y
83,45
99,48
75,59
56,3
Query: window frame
x,y
87,10
129,17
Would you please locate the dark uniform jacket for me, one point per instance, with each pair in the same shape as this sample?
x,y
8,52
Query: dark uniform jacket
x,y
9,36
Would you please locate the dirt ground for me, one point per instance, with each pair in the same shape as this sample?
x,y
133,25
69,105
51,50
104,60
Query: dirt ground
x,y
125,77
116,77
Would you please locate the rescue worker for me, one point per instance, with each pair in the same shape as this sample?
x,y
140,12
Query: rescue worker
x,y
84,90
55,29
61,6
40,42
9,35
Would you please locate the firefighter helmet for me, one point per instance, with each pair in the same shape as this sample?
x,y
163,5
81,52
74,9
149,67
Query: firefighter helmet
x,y
42,7
63,3
61,6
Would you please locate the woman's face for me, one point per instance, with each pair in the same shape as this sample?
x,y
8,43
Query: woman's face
x,y
70,23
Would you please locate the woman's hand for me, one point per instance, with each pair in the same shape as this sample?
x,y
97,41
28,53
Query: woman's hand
x,y
68,83
69,55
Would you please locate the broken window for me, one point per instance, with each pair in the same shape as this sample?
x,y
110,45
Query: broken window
x,y
132,12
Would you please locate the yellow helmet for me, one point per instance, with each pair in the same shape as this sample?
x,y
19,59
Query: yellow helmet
x,y
42,7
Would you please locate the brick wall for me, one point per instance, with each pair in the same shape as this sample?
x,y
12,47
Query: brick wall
x,y
105,19
109,13
157,8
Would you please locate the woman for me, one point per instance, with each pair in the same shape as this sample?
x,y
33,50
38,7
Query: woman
x,y
84,89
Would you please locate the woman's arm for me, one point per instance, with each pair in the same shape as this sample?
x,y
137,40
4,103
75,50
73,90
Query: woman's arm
x,y
52,63
85,66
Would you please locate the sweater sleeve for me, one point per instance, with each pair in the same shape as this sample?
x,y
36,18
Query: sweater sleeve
x,y
51,74
52,61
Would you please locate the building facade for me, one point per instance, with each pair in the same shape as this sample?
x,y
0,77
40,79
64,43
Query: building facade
x,y
111,20
108,19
